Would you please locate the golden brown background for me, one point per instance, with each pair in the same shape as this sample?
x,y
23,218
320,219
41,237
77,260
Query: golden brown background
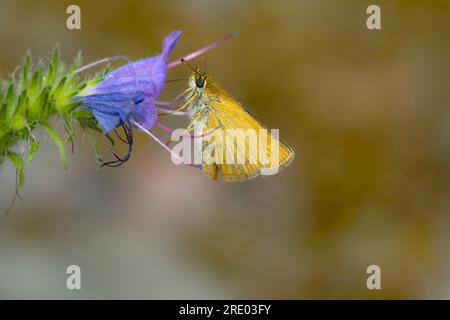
x,y
367,113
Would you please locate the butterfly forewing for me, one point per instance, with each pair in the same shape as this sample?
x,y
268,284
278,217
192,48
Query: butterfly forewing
x,y
227,114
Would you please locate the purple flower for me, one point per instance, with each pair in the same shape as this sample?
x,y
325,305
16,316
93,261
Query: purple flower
x,y
126,96
112,109
147,75
130,91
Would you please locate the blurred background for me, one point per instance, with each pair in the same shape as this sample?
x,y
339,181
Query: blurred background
x,y
367,112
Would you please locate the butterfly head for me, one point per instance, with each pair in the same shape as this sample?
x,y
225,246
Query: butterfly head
x,y
198,80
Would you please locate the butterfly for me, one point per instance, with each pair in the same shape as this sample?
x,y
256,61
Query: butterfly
x,y
228,132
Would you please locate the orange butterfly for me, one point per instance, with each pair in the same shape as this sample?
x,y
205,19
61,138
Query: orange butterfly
x,y
237,144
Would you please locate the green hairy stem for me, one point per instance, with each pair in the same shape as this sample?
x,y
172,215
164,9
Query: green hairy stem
x,y
29,98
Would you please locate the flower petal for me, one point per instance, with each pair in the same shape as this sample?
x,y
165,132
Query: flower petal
x,y
145,113
147,75
111,109
169,42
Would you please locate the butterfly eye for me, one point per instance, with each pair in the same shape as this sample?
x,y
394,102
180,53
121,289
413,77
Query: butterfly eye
x,y
200,82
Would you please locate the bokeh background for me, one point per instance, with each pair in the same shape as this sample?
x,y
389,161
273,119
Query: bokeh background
x,y
367,112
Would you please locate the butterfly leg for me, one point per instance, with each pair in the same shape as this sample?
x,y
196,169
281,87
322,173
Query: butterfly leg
x,y
174,101
194,120
181,96
157,139
184,106
170,131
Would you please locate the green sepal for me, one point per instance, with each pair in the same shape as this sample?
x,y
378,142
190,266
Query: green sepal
x,y
59,144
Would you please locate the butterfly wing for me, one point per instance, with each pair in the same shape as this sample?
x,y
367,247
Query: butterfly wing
x,y
227,113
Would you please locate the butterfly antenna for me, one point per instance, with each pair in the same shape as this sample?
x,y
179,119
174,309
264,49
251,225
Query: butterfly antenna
x,y
187,64
176,80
